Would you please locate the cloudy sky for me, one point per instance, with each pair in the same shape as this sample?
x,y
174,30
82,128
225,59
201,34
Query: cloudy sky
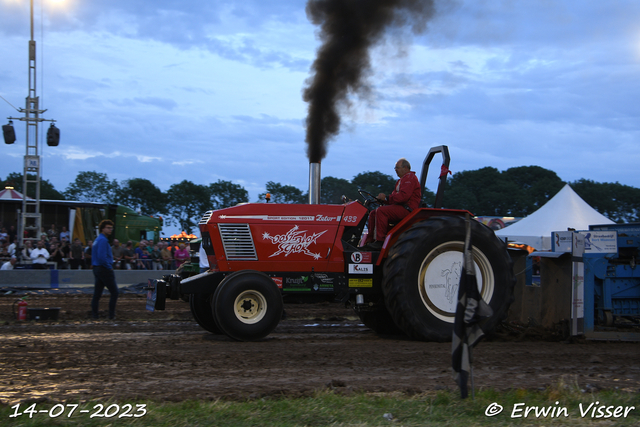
x,y
206,90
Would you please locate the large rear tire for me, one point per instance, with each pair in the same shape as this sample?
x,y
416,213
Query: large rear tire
x,y
202,312
422,275
247,305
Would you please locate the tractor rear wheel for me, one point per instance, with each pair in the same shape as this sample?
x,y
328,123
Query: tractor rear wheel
x,y
201,310
422,275
247,305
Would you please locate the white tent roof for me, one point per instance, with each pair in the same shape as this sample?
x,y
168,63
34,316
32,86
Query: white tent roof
x,y
565,210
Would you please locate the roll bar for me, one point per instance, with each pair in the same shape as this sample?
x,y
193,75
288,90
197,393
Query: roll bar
x,y
443,172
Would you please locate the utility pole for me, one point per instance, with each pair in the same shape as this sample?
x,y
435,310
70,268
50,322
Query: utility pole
x,y
30,217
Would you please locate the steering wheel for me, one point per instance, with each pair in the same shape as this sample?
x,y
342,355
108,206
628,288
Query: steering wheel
x,y
370,201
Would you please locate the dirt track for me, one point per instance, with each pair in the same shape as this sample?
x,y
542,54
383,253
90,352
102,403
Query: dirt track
x,y
167,356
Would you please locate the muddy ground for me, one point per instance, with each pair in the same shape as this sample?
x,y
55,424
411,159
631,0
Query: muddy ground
x,y
166,356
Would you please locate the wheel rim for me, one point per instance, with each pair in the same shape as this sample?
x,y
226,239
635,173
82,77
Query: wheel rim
x,y
439,278
250,307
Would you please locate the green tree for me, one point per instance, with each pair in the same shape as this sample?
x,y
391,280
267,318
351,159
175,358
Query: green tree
x,y
186,203
47,190
226,193
618,202
332,189
142,195
517,191
374,182
91,186
284,193
535,187
480,192
428,198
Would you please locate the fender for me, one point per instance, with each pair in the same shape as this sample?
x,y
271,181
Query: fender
x,y
417,215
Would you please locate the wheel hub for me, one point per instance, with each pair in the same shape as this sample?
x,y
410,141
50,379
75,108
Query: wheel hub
x,y
247,305
250,307
439,278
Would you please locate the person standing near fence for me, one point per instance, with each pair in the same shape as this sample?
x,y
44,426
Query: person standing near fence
x,y
118,255
39,256
167,257
182,255
76,255
102,261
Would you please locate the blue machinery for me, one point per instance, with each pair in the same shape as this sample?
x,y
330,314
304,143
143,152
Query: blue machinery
x,y
611,281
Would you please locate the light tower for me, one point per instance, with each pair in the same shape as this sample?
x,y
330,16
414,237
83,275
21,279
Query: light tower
x,y
30,217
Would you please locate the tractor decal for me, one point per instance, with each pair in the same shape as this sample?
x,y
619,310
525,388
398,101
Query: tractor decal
x,y
452,276
269,217
295,241
325,218
361,268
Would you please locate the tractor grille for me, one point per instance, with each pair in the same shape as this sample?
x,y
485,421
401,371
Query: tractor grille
x,y
238,242
205,217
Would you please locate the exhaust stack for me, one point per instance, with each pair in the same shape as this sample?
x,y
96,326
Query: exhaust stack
x,y
314,183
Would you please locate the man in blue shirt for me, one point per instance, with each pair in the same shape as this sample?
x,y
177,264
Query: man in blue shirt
x,y
102,261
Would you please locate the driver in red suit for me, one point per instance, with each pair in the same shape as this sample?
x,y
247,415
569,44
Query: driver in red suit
x,y
405,198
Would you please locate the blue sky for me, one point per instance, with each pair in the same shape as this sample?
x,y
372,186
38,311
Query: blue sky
x,y
171,90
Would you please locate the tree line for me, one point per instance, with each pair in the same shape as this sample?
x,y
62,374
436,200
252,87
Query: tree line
x,y
517,192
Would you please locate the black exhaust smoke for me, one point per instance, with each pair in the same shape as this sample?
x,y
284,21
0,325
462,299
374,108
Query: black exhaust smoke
x,y
348,29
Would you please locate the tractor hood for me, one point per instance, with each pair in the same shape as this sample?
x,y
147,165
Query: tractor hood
x,y
275,235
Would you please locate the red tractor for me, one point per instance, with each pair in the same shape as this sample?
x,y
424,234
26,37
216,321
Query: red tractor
x,y
270,253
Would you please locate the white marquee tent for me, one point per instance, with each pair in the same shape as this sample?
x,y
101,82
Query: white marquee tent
x,y
565,210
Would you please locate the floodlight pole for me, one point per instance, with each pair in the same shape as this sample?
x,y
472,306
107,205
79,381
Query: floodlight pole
x,y
30,217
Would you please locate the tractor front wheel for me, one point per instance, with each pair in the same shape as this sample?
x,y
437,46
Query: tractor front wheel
x,y
247,305
422,275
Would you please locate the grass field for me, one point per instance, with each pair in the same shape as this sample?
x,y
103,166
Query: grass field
x,y
563,405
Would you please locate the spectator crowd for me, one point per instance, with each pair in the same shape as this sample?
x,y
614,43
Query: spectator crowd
x,y
55,246
149,256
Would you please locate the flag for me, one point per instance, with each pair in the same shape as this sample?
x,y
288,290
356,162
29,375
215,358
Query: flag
x,y
467,330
